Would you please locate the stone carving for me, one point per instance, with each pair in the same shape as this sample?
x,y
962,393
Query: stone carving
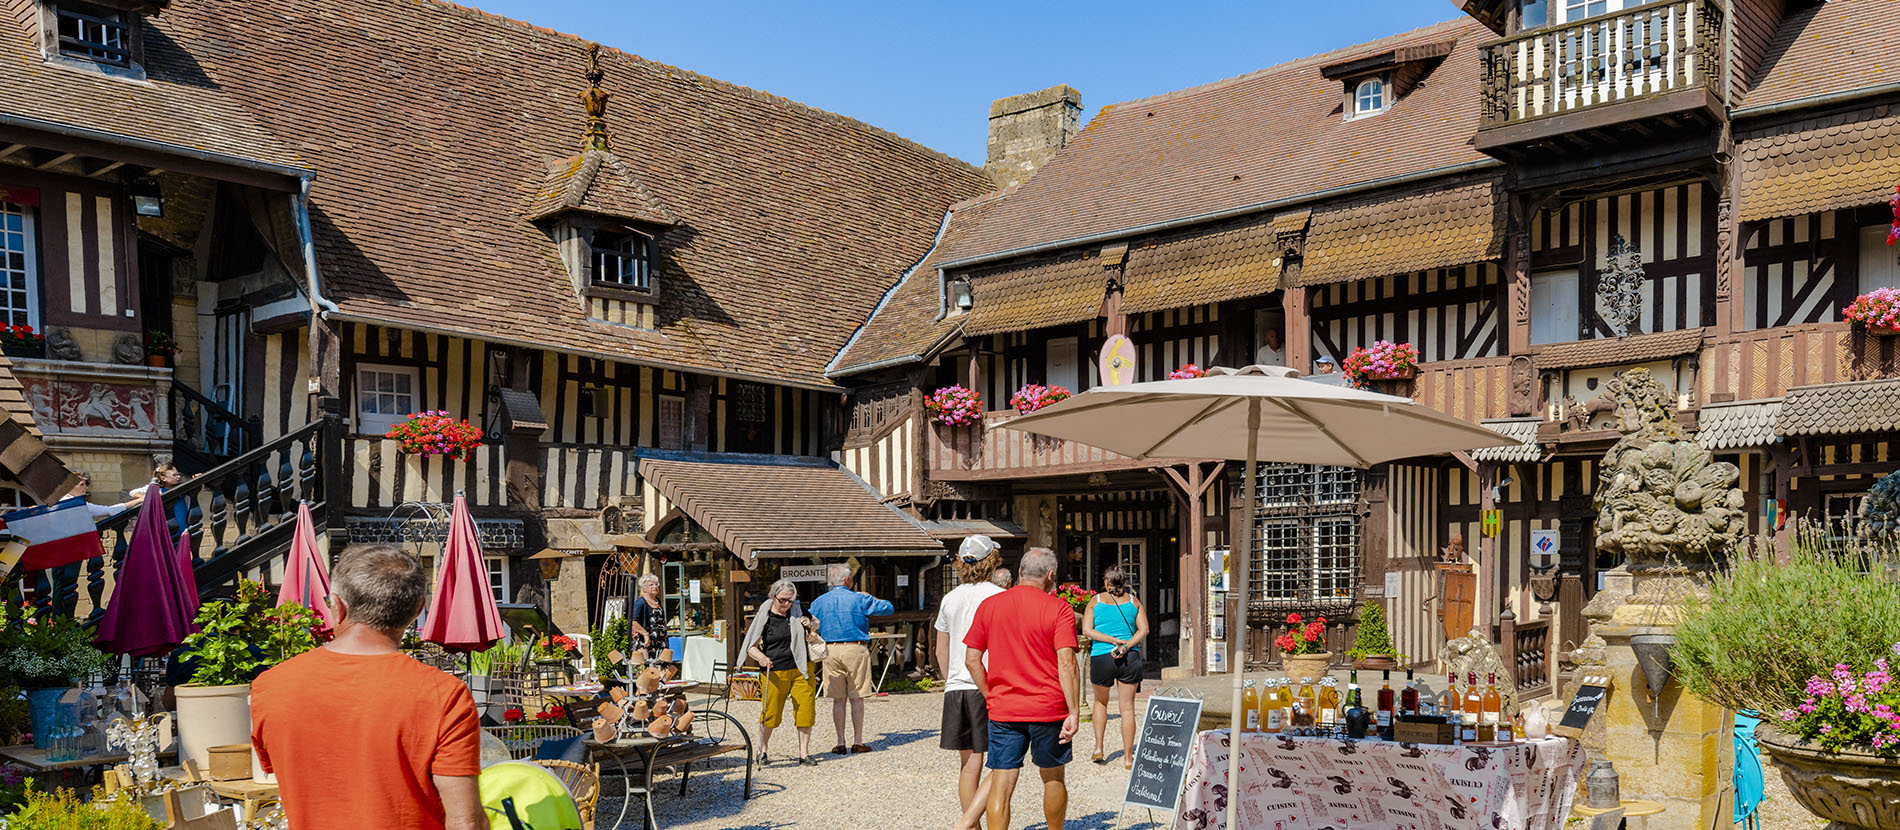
x,y
1475,653
60,345
1523,400
62,405
129,350
1660,496
1455,551
1620,287
1853,788
1880,511
1724,244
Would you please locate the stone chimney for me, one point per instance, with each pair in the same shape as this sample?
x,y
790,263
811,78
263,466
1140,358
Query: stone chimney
x,y
1026,131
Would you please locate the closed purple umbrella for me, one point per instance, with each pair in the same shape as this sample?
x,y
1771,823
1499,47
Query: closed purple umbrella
x,y
153,601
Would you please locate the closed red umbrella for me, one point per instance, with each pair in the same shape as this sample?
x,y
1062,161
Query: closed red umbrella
x,y
306,579
153,599
462,614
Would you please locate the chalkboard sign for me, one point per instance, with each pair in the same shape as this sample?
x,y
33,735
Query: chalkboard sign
x,y
1161,752
1584,705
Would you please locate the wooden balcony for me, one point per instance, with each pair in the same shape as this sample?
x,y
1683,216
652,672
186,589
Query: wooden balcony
x,y
994,451
1600,84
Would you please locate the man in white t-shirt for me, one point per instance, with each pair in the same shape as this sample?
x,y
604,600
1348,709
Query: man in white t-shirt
x,y
966,720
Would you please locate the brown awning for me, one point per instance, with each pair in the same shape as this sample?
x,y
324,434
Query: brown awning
x,y
1826,163
776,506
1205,267
1611,351
1049,293
1840,408
23,456
1387,235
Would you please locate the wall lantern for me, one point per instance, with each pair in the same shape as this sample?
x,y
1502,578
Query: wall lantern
x,y
550,561
960,297
147,198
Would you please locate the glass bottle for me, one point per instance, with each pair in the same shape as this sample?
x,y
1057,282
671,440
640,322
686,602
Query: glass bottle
x,y
1249,709
1272,718
1448,697
1309,700
1470,708
1408,699
1356,717
1493,712
1387,698
1328,701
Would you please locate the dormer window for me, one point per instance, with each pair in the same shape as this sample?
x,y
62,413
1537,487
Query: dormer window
x,y
94,34
1368,98
623,259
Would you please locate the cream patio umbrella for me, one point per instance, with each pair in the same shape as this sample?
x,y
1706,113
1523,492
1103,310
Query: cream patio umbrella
x,y
1275,415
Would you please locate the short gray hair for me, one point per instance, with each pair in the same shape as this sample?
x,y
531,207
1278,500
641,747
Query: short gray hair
x,y
1000,578
1037,564
648,579
781,587
837,575
380,586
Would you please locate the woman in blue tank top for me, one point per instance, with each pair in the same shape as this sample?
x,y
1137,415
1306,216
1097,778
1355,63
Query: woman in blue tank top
x,y
1116,624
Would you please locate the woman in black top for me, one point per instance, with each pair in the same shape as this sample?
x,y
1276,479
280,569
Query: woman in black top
x,y
645,617
776,642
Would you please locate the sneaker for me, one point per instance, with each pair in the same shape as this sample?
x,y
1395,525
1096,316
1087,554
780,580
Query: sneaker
x,y
807,761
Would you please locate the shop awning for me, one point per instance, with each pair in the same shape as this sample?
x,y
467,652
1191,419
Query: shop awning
x,y
956,529
779,506
1240,260
1739,425
1823,163
1383,235
1522,429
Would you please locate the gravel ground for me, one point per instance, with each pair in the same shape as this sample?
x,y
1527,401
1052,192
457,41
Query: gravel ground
x,y
907,783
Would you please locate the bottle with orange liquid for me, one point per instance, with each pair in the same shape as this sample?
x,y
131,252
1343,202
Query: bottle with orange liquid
x,y
1328,701
1249,714
1470,709
1493,720
1272,718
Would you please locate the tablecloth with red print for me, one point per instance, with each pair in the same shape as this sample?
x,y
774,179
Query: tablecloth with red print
x,y
1302,783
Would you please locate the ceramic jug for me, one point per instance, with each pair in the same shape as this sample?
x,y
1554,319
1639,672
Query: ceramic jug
x,y
1536,720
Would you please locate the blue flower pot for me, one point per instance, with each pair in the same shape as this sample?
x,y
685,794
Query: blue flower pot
x,y
43,712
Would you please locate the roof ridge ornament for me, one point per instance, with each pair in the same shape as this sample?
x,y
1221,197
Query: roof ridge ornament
x,y
595,100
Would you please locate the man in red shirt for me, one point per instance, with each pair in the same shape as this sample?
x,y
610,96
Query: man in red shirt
x,y
1030,686
360,734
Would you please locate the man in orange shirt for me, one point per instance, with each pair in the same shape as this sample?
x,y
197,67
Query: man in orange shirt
x,y
361,735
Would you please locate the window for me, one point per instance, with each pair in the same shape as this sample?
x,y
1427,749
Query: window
x,y
1307,537
93,34
18,285
622,260
498,576
1369,97
672,422
1879,262
1554,308
385,397
1580,9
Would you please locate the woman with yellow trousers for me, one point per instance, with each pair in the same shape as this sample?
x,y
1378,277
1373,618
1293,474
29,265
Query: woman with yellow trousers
x,y
776,642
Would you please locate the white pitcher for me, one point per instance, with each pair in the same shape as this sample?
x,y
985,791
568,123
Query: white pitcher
x,y
1536,720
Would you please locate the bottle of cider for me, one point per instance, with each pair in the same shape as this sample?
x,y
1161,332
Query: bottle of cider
x,y
1275,710
1387,699
1309,700
1408,699
1448,697
1493,720
1471,708
1249,714
1328,701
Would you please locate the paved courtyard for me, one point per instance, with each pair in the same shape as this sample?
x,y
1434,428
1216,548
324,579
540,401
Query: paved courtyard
x,y
907,783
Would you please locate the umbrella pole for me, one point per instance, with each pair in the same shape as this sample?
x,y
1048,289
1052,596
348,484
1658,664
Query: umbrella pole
x,y
1237,627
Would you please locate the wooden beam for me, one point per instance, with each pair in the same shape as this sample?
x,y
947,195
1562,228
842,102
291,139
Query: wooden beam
x,y
11,149
156,160
57,160
106,168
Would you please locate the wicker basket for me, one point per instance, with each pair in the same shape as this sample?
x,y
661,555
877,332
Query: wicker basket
x,y
744,686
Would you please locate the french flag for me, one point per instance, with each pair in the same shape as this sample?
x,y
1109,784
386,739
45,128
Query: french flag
x,y
56,534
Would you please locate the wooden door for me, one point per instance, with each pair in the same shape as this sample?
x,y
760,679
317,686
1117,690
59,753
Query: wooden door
x,y
1461,593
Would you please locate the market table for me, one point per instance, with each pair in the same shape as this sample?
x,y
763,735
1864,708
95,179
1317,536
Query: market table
x,y
1309,783
34,760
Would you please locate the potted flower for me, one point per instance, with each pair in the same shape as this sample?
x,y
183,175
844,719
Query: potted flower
x,y
43,656
1303,647
22,341
159,348
1384,360
1078,599
551,714
513,715
236,640
1372,643
1807,639
556,648
436,433
1187,372
956,406
1036,396
1876,312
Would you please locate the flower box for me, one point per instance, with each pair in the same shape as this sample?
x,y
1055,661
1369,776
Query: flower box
x,y
1187,372
436,433
22,341
1036,396
1384,360
956,406
1876,312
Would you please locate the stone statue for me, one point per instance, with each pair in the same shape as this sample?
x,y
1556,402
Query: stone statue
x,y
1880,511
129,350
1474,653
60,345
1660,495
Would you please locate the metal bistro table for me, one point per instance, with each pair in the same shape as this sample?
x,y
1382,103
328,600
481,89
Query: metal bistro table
x,y
673,750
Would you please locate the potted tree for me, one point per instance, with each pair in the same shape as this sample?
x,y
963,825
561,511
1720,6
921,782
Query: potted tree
x,y
1372,644
43,656
1807,640
237,639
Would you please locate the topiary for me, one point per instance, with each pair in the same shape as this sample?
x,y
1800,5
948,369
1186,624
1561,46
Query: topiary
x,y
1372,638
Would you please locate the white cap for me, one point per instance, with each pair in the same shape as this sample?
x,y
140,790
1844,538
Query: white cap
x,y
975,548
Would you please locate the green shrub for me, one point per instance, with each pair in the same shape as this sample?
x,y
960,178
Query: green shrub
x,y
1768,624
501,654
617,635
1372,639
62,810
244,635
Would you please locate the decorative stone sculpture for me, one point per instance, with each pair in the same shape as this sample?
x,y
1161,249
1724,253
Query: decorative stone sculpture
x,y
1474,653
1880,511
1660,495
60,345
128,350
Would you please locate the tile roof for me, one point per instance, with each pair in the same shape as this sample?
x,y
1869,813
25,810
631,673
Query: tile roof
x,y
175,104
1729,426
1829,47
1206,265
1274,134
1522,429
1047,293
778,506
24,458
1385,234
1840,408
905,325
598,182
1607,351
432,126
1834,161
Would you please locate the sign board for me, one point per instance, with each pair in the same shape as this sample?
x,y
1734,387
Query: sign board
x,y
903,580
1161,753
1216,569
1490,522
1544,542
802,573
1392,583
1117,362
1583,705
1612,820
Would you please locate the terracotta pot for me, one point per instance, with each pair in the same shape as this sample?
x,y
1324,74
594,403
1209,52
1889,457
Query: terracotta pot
x,y
1377,662
605,731
678,708
666,655
1853,788
661,726
639,657
640,710
648,681
1402,374
672,672
684,723
617,694
156,361
1881,331
1314,666
610,712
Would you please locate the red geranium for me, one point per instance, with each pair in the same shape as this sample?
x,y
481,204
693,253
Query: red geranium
x,y
1302,639
513,715
436,433
550,713
1293,619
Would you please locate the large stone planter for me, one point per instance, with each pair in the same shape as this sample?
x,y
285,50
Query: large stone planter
x,y
1314,666
211,716
1855,790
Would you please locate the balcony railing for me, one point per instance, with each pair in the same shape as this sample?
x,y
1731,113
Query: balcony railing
x,y
994,451
1646,51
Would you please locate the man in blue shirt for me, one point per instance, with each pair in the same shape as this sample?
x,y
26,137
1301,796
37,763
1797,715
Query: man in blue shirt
x,y
844,621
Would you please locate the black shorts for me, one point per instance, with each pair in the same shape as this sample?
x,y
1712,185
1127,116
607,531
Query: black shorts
x,y
966,721
1108,670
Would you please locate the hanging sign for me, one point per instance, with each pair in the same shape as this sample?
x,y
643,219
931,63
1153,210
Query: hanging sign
x,y
1161,752
802,573
1117,363
1489,523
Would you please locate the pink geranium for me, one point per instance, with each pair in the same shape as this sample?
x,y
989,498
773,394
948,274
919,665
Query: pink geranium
x,y
955,406
1384,360
1036,396
1850,708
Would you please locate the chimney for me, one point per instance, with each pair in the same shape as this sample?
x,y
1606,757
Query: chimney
x,y
1027,130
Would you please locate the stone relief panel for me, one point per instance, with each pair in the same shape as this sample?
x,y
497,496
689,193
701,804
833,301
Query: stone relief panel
x,y
93,406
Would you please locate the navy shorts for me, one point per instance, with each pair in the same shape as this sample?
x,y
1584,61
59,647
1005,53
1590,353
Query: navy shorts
x,y
1010,740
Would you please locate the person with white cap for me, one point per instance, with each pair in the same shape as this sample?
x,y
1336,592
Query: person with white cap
x,y
966,722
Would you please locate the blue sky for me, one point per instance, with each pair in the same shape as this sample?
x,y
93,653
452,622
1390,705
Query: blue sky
x,y
928,70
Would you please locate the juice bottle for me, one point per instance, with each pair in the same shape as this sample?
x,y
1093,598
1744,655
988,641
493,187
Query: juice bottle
x,y
1493,721
1470,709
1448,697
1274,711
1249,714
1387,699
1309,700
1289,701
1328,701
